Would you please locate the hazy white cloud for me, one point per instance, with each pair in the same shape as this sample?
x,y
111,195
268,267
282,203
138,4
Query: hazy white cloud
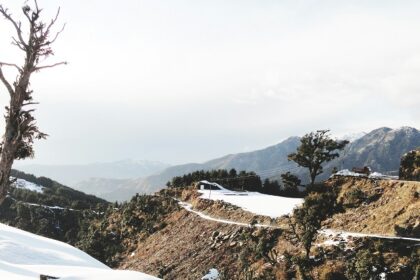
x,y
190,80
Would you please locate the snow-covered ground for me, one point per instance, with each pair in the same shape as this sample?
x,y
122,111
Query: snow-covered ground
x,y
23,184
213,274
255,202
373,175
25,256
345,235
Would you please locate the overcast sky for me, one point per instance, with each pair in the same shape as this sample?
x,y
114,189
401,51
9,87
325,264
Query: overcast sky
x,y
187,81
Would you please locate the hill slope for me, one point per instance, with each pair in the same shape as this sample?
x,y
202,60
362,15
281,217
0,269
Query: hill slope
x,y
186,244
45,207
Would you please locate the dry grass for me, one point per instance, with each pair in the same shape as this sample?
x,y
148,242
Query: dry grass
x,y
397,203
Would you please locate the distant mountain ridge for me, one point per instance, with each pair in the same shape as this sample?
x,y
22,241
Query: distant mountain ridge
x,y
73,173
381,149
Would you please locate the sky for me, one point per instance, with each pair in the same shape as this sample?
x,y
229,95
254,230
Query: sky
x,y
190,80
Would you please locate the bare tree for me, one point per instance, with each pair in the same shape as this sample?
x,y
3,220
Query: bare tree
x,y
21,129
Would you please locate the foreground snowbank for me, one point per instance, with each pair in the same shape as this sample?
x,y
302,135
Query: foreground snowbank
x,y
255,202
25,256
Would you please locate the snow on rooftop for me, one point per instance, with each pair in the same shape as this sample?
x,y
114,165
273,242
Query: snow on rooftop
x,y
23,184
25,256
255,202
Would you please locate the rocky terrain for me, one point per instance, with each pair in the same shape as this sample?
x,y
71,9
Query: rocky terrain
x,y
184,245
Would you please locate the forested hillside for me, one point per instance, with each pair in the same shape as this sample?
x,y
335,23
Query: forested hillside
x,y
48,208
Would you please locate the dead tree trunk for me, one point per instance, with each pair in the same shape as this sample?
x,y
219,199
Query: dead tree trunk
x,y
21,129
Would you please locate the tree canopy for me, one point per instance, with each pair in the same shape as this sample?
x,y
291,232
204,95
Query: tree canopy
x,y
315,149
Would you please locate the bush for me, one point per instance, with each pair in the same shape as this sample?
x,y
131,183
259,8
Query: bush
x,y
354,198
332,272
365,265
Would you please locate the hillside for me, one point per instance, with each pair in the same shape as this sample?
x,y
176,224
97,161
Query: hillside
x,y
48,208
380,149
187,242
389,207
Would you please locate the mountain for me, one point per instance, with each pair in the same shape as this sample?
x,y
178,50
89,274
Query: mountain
x,y
269,161
71,174
381,149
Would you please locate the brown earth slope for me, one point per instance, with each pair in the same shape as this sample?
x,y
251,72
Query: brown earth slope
x,y
188,246
387,207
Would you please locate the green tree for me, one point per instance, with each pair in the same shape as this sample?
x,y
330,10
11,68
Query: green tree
x,y
291,183
306,220
315,149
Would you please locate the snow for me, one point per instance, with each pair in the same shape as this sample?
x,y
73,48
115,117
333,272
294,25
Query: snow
x,y
188,207
373,175
25,256
255,202
23,184
352,137
213,274
377,175
346,234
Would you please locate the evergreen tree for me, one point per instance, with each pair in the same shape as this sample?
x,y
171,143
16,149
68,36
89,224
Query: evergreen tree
x,y
315,149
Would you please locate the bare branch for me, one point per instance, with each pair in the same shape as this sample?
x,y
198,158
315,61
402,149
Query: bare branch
x,y
53,20
6,83
36,6
55,37
50,66
18,44
17,25
11,65
30,103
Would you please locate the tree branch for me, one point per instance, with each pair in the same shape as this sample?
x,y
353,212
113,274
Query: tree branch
x,y
11,65
17,26
50,66
18,44
6,83
56,36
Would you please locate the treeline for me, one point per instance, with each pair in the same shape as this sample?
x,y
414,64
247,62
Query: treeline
x,y
58,223
59,212
54,194
242,181
231,179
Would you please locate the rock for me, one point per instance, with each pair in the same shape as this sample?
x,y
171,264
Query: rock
x,y
232,244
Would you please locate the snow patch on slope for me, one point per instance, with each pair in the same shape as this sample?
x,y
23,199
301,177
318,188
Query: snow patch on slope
x,y
255,202
212,275
25,256
23,184
373,175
